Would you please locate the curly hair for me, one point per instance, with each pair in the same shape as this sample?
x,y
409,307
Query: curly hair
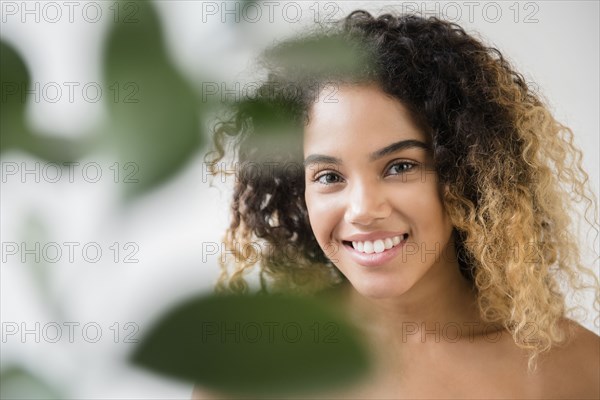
x,y
508,171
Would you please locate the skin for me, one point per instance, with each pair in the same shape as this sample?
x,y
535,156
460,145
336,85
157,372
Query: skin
x,y
417,311
395,193
421,288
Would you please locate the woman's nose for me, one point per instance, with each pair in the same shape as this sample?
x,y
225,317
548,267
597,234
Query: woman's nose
x,y
366,204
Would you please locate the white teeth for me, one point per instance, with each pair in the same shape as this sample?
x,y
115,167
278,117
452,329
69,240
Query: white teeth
x,y
378,246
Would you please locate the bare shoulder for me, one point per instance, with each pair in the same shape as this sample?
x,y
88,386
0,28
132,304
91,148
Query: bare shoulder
x,y
577,363
584,344
201,393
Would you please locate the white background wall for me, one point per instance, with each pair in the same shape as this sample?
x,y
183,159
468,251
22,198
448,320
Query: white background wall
x,y
557,46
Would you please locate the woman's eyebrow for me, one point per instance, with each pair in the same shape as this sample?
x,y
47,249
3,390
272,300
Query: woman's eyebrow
x,y
401,145
376,155
321,159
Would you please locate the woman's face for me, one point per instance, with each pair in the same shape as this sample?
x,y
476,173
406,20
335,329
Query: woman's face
x,y
372,193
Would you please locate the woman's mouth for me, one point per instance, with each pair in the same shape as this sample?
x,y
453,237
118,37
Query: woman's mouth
x,y
376,246
376,252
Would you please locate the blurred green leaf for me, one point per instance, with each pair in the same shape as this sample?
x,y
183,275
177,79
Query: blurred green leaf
x,y
14,132
56,149
14,78
317,57
255,345
17,383
154,113
276,136
36,232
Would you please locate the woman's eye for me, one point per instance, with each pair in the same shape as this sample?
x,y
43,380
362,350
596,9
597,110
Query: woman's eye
x,y
400,167
328,178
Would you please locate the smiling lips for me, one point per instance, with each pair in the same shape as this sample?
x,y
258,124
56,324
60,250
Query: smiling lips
x,y
375,252
378,246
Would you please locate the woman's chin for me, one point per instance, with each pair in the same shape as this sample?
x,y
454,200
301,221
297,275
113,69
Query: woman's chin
x,y
380,290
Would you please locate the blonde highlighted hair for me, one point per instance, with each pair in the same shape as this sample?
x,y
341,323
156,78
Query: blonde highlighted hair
x,y
508,171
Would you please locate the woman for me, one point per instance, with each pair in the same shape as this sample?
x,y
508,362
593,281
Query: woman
x,y
407,167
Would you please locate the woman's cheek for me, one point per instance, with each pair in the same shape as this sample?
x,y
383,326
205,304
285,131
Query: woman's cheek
x,y
321,214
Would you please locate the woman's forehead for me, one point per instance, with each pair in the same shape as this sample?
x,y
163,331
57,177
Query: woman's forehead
x,y
362,115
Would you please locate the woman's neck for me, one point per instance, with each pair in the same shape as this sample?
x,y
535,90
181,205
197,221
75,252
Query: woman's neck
x,y
441,300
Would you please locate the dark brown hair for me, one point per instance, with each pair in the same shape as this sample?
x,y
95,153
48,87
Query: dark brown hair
x,y
508,169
